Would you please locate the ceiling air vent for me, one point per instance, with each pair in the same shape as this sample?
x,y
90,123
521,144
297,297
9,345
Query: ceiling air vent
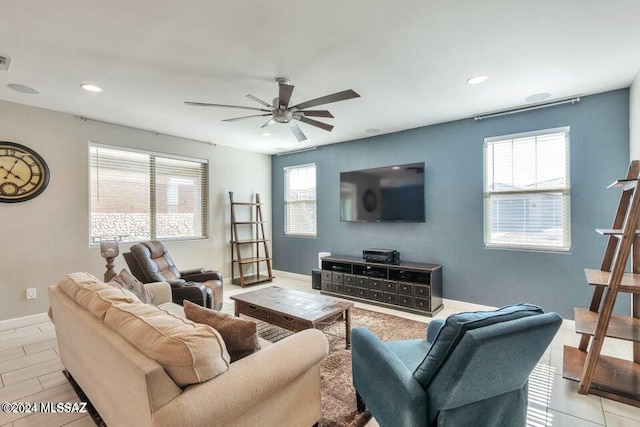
x,y
5,63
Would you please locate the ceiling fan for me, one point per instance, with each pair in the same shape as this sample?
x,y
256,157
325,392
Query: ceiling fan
x,y
281,112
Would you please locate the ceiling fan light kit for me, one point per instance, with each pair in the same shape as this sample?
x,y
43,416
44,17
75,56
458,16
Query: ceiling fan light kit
x,y
280,111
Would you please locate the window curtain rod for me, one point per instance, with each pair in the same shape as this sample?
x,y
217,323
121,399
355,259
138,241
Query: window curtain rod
x,y
88,119
521,110
285,153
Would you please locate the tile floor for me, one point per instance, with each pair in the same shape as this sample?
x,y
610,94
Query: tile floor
x,y
30,370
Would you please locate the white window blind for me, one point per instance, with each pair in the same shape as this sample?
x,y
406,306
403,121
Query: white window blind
x,y
527,200
137,195
300,200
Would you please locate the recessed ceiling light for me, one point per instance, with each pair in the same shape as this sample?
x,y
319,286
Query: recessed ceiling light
x,y
395,168
537,97
91,88
372,130
477,79
266,134
23,89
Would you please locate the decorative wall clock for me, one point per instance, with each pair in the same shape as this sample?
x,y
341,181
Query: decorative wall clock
x,y
23,173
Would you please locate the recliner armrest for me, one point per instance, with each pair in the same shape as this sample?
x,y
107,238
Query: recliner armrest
x,y
434,328
161,292
202,276
373,365
192,271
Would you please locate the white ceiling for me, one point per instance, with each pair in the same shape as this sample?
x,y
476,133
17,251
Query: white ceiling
x,y
409,60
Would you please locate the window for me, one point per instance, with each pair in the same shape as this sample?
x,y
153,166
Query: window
x,y
300,200
138,195
526,191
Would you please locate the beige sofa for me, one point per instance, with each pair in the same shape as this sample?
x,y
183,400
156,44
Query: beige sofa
x,y
277,386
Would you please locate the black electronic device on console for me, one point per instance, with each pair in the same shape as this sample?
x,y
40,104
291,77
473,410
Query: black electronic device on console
x,y
382,256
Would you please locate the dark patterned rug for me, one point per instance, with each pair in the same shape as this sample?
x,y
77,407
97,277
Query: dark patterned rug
x,y
337,393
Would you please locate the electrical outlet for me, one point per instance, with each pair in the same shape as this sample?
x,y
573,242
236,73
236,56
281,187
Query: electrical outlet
x,y
31,293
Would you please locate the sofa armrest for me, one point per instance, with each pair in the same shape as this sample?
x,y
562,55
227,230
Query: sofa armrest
x,y
384,382
248,382
201,276
161,292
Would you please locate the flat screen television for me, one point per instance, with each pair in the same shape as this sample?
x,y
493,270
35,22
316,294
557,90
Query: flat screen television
x,y
387,194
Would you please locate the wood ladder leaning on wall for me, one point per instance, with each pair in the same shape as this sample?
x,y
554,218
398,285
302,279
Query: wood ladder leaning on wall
x,y
605,376
258,239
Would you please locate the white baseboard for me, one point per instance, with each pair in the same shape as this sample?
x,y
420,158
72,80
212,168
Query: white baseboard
x,y
280,273
465,306
19,322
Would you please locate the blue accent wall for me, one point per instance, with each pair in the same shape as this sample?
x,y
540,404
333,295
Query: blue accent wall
x,y
453,233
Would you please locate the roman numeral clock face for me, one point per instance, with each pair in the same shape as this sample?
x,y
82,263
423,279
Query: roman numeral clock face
x,y
23,173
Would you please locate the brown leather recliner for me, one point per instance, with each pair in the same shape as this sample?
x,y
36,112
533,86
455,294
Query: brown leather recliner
x,y
150,262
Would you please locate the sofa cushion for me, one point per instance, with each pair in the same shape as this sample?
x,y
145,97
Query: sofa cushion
x,y
126,280
99,297
190,353
454,329
94,295
239,335
71,283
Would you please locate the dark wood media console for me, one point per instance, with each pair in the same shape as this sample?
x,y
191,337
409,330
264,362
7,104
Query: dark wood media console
x,y
407,286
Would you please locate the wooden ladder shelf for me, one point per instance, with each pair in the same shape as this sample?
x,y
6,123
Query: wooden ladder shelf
x,y
605,376
254,238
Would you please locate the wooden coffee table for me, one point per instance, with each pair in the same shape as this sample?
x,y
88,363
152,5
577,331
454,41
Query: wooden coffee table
x,y
294,310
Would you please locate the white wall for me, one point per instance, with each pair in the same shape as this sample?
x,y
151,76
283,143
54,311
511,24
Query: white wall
x,y
634,118
44,238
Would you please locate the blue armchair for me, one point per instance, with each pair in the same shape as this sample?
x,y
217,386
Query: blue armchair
x,y
471,370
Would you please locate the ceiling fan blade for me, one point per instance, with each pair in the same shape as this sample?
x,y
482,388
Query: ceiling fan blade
x,y
259,101
315,123
334,97
297,131
284,95
245,117
204,104
315,113
269,123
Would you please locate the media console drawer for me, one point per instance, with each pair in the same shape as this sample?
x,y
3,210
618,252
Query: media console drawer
x,y
405,288
362,282
422,291
375,284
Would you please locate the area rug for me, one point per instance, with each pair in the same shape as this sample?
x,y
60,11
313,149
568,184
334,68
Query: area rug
x,y
338,398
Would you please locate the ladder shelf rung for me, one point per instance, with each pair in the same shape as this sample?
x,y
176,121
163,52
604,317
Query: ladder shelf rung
x,y
625,184
248,222
612,231
252,260
613,377
630,282
246,204
241,242
622,327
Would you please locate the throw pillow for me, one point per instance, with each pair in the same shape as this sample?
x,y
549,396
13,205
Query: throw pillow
x,y
239,335
127,281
